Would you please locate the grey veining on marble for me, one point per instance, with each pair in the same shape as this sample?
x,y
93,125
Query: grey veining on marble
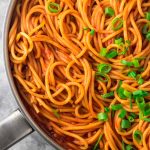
x,y
7,101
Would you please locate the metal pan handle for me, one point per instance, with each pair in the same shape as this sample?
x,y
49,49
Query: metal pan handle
x,y
13,129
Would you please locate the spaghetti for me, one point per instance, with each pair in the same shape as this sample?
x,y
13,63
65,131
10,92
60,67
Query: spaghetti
x,y
83,66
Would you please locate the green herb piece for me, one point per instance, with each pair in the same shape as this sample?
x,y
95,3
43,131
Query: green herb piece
x,y
117,24
107,109
56,113
123,113
148,36
146,109
140,102
103,51
103,116
127,93
138,136
123,146
119,41
133,115
108,95
136,63
92,32
54,7
104,68
109,11
145,29
129,147
140,93
127,63
131,119
125,124
96,144
132,74
112,53
128,42
147,16
146,119
102,77
116,107
85,28
140,81
121,93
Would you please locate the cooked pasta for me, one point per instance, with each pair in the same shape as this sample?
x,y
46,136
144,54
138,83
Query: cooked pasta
x,y
83,66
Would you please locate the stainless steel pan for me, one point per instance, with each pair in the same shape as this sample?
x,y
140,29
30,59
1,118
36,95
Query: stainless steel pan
x,y
20,123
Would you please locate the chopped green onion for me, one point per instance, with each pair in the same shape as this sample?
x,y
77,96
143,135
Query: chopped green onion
x,y
130,147
122,113
107,95
120,83
102,77
128,42
121,93
136,63
124,51
56,113
140,58
127,94
126,47
146,109
112,53
119,41
133,115
117,24
138,76
127,63
138,136
148,36
141,69
140,93
130,100
130,118
102,116
96,144
85,28
147,16
141,115
116,107
140,102
107,109
125,124
104,68
146,119
132,74
145,29
109,11
92,32
140,81
103,51
123,146
54,7
112,113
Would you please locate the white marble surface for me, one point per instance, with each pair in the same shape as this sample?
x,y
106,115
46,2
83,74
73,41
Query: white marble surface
x,y
7,101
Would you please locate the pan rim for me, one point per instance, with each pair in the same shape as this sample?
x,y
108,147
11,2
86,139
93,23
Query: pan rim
x,y
6,27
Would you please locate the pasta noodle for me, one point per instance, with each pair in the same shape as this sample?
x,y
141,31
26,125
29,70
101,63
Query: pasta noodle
x,y
83,66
